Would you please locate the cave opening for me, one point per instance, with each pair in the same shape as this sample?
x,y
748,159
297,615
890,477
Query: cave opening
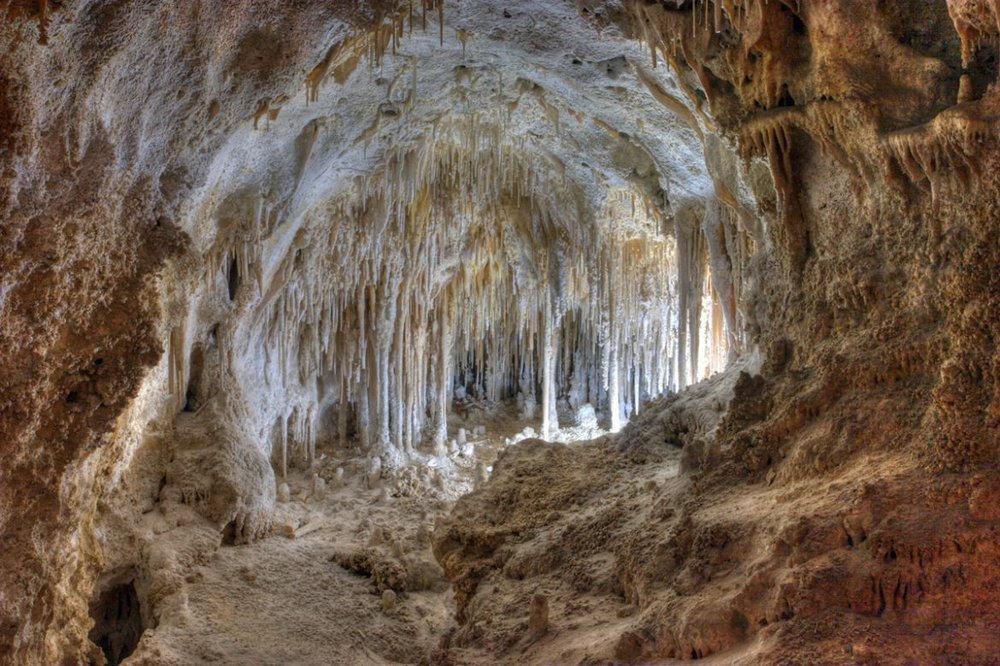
x,y
118,624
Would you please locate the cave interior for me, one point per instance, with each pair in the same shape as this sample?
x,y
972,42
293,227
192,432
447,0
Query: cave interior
x,y
479,332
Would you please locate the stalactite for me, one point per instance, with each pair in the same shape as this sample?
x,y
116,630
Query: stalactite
x,y
459,263
975,21
176,362
550,420
283,426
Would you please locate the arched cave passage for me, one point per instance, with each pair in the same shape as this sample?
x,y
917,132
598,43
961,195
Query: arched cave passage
x,y
462,331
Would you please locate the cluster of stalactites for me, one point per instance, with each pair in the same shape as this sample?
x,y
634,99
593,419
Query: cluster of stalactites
x,y
598,330
668,35
463,262
976,21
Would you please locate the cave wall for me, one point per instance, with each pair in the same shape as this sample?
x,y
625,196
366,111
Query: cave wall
x,y
828,505
103,140
878,116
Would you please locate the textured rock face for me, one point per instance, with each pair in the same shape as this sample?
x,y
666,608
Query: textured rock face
x,y
229,231
107,130
829,507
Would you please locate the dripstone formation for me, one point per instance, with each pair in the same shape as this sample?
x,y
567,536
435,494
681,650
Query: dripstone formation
x,y
287,291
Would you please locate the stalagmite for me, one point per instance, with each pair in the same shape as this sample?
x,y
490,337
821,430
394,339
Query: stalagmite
x,y
318,487
538,617
283,429
614,388
373,472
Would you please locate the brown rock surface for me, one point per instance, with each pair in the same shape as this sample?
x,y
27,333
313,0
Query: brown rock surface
x,y
835,519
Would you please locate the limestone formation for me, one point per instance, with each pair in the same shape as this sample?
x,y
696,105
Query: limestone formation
x,y
373,472
318,487
677,318
482,476
388,601
386,574
538,620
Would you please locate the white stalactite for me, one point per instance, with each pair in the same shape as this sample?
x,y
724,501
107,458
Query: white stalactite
x,y
461,263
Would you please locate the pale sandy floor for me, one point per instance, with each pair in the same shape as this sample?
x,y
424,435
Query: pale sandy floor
x,y
282,601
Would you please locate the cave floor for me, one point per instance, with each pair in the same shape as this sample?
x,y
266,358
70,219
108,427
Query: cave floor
x,y
283,601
